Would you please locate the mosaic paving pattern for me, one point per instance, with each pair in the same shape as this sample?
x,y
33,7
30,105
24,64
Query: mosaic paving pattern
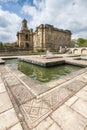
x,y
34,111
21,93
11,81
75,85
57,97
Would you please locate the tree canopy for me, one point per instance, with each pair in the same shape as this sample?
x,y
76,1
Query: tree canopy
x,y
80,42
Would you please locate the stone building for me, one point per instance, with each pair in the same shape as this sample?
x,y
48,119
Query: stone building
x,y
45,37
25,36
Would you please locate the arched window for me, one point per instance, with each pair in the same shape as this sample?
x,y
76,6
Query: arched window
x,y
26,36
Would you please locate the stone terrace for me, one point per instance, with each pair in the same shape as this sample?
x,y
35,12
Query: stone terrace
x,y
58,59
27,104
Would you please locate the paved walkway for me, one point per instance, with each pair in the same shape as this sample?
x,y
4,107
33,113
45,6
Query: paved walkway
x,y
57,105
8,117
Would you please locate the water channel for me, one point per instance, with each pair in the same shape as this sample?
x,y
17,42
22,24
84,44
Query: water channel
x,y
40,73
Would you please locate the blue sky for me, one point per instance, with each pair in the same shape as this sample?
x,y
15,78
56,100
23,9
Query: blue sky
x,y
63,14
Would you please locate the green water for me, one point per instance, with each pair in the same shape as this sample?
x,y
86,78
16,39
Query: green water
x,y
40,73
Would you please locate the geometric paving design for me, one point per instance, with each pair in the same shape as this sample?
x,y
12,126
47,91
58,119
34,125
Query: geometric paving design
x,y
21,93
34,111
57,97
75,85
11,80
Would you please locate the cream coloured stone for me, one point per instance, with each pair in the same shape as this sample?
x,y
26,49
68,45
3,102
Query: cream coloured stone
x,y
81,107
83,79
2,88
68,119
16,127
0,79
5,103
85,88
86,128
82,94
71,100
45,37
8,119
44,124
54,126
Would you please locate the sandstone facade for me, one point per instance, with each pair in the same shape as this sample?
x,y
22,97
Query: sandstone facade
x,y
45,37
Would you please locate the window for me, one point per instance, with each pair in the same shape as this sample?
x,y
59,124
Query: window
x,y
26,36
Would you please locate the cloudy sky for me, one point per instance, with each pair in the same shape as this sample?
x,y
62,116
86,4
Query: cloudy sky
x,y
63,14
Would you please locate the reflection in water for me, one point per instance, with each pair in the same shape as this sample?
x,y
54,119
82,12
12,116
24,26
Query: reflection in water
x,y
45,74
40,73
13,62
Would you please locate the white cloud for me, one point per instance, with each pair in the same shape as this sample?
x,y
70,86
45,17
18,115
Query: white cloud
x,y
9,25
61,13
39,4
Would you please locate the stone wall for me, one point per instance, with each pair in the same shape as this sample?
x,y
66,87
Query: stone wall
x,y
78,50
45,37
48,37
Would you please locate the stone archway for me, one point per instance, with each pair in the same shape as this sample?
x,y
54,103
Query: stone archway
x,y
27,45
84,51
75,51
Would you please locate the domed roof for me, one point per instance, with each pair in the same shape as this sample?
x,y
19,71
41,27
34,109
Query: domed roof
x,y
24,20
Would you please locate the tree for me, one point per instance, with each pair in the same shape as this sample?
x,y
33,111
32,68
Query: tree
x,y
1,45
7,44
81,42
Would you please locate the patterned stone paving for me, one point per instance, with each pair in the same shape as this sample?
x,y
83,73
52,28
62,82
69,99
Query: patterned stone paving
x,y
34,111
59,105
57,97
19,91
40,88
11,80
8,117
75,85
22,94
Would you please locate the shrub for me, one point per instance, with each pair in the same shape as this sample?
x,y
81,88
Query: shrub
x,y
41,50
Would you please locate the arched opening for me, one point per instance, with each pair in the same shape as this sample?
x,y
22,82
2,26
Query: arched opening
x,y
84,51
27,45
26,36
75,51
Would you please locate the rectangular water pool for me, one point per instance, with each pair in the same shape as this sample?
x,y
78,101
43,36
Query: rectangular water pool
x,y
40,73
